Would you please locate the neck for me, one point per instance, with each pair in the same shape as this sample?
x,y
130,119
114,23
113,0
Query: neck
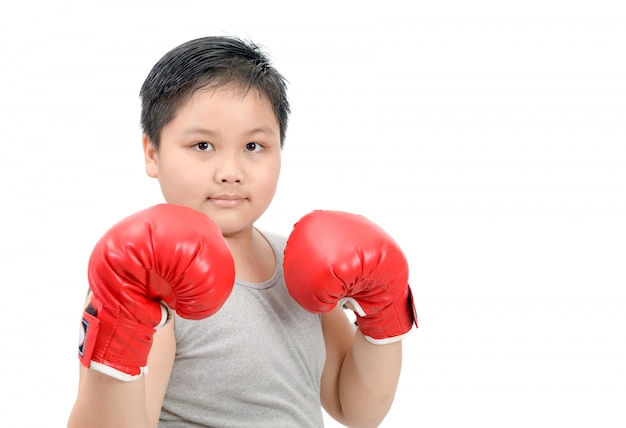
x,y
253,255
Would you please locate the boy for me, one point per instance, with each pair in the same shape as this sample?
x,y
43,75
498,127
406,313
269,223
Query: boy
x,y
261,348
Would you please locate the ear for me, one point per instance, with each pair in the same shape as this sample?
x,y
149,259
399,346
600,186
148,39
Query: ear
x,y
150,156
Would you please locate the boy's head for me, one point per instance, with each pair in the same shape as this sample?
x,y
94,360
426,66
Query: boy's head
x,y
209,62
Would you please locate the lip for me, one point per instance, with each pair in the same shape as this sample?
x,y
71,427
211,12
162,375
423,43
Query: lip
x,y
227,201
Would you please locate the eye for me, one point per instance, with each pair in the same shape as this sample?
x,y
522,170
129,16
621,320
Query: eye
x,y
203,146
254,147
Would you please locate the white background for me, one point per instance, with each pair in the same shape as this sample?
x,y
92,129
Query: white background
x,y
487,137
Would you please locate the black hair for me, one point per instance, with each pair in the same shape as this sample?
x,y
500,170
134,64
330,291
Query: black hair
x,y
215,62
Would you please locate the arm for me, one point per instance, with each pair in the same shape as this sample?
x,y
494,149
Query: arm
x,y
104,401
160,362
161,259
334,259
359,379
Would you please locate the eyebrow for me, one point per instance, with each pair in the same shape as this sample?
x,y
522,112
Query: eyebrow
x,y
206,131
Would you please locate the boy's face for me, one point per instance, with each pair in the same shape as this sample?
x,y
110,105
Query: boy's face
x,y
220,155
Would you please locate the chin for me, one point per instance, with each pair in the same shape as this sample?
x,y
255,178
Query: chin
x,y
231,227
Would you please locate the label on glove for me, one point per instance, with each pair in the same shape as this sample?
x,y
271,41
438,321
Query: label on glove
x,y
89,327
412,307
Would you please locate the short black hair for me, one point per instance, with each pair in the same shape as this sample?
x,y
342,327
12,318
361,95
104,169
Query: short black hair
x,y
214,61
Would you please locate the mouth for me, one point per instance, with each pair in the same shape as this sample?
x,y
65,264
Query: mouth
x,y
226,201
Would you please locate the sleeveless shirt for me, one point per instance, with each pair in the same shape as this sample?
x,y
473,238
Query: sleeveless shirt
x,y
256,363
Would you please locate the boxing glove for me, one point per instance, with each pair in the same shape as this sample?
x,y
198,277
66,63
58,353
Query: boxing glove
x,y
333,257
164,258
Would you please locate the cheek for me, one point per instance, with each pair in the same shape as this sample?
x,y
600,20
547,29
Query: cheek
x,y
268,181
178,183
273,176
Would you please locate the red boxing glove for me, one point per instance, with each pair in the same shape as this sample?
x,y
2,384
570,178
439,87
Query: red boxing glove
x,y
333,257
166,256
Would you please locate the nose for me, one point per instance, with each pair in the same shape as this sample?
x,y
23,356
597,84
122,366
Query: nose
x,y
229,169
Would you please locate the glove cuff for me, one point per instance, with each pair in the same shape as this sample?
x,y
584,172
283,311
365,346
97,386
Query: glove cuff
x,y
391,324
115,346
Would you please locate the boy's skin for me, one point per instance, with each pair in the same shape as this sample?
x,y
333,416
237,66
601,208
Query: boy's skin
x,y
221,155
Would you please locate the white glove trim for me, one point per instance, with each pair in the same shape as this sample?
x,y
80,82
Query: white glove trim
x,y
387,340
355,305
110,371
166,315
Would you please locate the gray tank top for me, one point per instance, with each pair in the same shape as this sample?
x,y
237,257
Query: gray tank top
x,y
256,363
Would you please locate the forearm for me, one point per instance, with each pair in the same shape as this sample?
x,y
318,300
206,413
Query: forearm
x,y
368,381
105,402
